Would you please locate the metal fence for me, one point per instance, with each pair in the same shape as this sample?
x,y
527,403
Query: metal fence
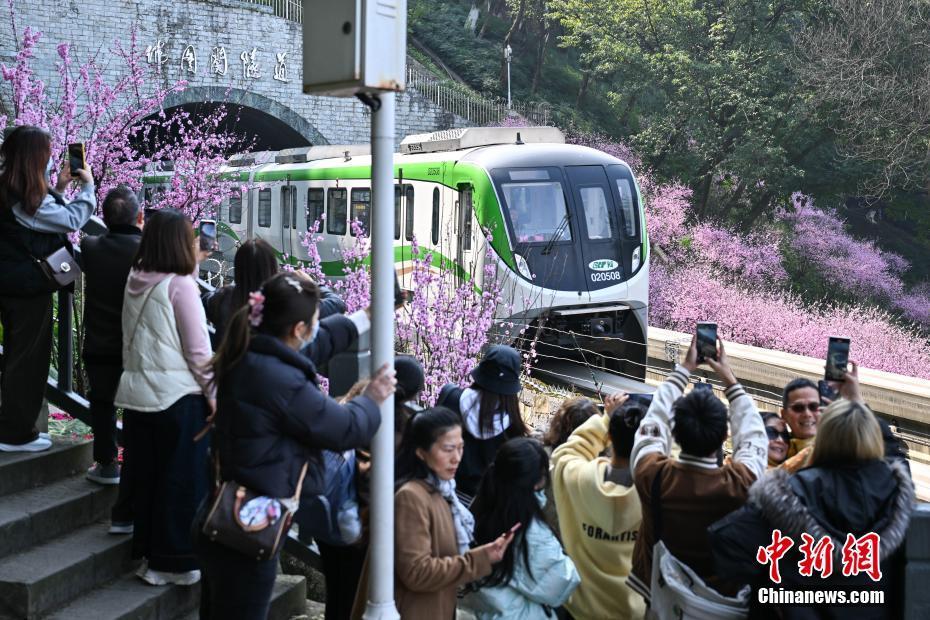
x,y
472,107
288,9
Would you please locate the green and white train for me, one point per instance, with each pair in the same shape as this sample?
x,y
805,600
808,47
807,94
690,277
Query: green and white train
x,y
566,222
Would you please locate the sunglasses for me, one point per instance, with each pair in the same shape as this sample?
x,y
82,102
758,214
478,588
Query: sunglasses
x,y
774,433
800,407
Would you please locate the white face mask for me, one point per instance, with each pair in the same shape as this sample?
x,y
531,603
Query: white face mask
x,y
541,497
313,333
48,169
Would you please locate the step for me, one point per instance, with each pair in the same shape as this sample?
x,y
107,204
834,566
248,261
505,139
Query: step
x,y
24,470
288,599
42,578
129,598
38,515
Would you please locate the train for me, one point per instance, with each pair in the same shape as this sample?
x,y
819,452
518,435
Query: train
x,y
564,224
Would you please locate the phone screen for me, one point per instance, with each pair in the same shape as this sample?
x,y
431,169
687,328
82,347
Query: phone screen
x,y
207,235
837,358
706,341
825,391
76,157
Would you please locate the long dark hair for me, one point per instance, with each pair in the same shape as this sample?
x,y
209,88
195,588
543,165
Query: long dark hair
x,y
490,404
255,262
288,300
25,153
422,431
573,413
506,497
167,244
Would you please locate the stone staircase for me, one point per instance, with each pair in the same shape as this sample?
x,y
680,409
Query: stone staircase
x,y
58,562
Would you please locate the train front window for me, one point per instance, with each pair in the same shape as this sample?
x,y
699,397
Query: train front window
x,y
535,201
597,215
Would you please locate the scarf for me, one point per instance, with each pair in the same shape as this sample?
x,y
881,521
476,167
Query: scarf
x,y
462,519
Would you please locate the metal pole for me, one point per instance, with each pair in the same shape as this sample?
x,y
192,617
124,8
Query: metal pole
x,y
508,82
381,561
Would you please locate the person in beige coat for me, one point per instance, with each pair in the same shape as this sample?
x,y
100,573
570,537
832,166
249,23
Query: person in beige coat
x,y
432,529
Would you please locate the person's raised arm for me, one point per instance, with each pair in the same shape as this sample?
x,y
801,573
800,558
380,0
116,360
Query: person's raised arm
x,y
747,431
655,431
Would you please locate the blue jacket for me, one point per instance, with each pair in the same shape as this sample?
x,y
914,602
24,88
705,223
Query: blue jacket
x,y
272,418
553,580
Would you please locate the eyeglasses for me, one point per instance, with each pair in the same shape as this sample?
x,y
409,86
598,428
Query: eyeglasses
x,y
774,433
801,407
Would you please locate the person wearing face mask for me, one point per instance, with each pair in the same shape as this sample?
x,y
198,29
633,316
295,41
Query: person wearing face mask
x,y
34,222
273,419
534,576
599,510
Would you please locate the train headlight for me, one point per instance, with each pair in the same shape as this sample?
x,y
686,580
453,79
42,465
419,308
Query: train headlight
x,y
637,258
522,267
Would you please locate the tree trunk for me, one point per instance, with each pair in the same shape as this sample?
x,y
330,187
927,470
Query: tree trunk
x,y
628,108
493,7
583,89
540,56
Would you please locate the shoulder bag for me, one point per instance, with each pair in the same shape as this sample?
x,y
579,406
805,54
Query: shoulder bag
x,y
676,591
250,523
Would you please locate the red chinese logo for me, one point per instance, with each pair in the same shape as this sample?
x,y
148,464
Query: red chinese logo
x,y
773,553
859,555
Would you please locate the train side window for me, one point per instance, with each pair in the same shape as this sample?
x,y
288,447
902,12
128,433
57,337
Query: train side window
x,y
264,208
397,212
337,212
465,214
235,209
361,208
315,208
627,207
435,223
408,224
148,196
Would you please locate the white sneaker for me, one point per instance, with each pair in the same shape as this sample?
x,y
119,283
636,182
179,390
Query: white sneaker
x,y
45,436
38,444
120,527
162,578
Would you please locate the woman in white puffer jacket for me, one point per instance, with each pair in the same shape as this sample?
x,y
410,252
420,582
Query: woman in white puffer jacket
x,y
535,576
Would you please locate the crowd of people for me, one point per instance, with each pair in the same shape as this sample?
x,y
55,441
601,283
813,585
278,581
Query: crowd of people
x,y
605,514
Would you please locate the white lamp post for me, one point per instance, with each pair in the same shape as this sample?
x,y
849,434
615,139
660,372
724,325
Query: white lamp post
x,y
508,54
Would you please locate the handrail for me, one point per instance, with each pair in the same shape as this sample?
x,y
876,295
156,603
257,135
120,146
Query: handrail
x,y
288,9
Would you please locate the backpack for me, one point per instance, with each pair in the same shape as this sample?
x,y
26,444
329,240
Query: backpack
x,y
333,516
676,591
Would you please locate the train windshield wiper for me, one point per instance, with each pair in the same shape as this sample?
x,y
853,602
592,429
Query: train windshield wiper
x,y
558,233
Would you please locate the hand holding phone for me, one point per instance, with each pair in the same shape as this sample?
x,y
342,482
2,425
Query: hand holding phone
x,y
208,235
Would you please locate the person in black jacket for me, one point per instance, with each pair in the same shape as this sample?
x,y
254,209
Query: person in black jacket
x,y
34,223
254,263
855,485
106,261
490,411
272,420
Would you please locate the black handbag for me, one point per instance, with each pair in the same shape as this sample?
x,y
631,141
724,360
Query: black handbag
x,y
248,522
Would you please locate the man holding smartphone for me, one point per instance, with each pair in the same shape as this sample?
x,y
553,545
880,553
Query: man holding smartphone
x,y
106,262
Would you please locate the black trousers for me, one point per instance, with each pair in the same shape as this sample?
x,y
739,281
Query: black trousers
x,y
27,350
104,381
233,585
168,481
342,568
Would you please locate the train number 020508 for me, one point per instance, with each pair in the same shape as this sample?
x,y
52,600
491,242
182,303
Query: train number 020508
x,y
605,276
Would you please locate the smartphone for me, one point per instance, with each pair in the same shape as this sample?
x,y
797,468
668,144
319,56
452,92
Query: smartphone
x,y
76,157
837,358
208,235
703,386
826,392
706,341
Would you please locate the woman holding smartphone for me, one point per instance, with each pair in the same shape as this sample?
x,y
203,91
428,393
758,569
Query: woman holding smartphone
x,y
432,529
34,222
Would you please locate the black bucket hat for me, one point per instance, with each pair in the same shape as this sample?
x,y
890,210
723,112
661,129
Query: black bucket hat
x,y
499,371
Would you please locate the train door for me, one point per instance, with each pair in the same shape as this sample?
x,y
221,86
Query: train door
x,y
288,210
599,226
464,240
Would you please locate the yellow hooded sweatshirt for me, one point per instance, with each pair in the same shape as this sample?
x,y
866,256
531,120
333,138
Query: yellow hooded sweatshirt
x,y
599,522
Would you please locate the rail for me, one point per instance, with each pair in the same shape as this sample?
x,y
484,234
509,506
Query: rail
x,y
288,9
